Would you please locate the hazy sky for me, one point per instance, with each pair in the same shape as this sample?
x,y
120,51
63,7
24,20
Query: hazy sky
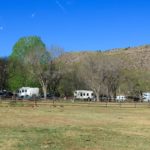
x,y
75,24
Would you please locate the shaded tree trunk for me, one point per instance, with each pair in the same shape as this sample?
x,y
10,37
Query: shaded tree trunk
x,y
97,96
44,87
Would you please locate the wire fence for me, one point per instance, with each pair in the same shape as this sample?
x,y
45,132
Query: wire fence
x,y
65,103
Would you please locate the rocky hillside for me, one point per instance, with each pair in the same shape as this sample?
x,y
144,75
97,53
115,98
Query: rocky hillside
x,y
137,56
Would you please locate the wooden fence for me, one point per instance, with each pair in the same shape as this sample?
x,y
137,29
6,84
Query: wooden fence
x,y
65,103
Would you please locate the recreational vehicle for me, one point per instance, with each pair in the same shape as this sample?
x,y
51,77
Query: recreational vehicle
x,y
120,98
28,92
146,97
83,94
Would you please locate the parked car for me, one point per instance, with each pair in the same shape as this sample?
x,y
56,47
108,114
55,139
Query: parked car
x,y
49,96
133,98
6,94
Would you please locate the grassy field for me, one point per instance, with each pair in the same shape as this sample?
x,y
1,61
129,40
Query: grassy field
x,y
74,127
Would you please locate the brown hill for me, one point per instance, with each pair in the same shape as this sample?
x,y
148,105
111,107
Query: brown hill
x,y
138,57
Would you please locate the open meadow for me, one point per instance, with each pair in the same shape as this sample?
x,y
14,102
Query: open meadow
x,y
73,127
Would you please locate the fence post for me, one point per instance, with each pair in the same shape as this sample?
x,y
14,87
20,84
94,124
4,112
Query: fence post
x,y
120,104
106,104
135,104
53,101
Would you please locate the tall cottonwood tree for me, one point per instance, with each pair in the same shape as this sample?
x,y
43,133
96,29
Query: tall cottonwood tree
x,y
114,68
101,73
31,62
44,67
93,72
71,80
18,74
39,66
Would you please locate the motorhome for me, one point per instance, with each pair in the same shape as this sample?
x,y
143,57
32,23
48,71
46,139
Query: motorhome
x,y
146,96
28,92
83,94
120,98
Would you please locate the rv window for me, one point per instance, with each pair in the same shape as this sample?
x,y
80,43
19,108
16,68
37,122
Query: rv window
x,y
80,94
83,94
25,90
22,91
87,94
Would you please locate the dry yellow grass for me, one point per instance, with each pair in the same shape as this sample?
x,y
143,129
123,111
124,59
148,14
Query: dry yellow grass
x,y
74,128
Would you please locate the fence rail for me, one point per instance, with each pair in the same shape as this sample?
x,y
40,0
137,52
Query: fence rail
x,y
65,103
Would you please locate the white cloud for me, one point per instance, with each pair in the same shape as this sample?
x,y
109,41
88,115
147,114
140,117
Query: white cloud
x,y
60,6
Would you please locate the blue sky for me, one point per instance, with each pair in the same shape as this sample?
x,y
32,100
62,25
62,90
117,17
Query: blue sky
x,y
75,25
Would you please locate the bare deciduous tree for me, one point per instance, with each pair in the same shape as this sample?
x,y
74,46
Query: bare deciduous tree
x,y
93,72
101,74
42,65
114,69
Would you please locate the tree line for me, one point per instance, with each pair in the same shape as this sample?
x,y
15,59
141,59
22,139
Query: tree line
x,y
33,64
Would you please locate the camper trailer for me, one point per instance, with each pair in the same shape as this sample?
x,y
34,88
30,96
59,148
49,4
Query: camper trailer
x,y
28,92
83,94
120,98
146,97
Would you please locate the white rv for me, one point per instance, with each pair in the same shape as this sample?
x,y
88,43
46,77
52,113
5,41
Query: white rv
x,y
28,92
146,97
120,98
83,94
